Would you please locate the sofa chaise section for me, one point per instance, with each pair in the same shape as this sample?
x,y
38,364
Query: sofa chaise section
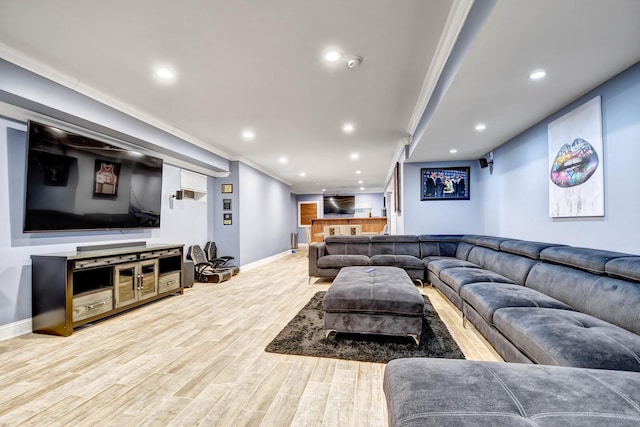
x,y
437,392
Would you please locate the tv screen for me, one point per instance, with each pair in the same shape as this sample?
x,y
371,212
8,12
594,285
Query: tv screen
x,y
339,205
78,183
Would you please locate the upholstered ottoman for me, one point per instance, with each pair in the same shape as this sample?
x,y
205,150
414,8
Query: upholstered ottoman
x,y
374,300
424,392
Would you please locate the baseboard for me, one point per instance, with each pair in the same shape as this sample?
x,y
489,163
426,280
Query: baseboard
x,y
15,329
264,261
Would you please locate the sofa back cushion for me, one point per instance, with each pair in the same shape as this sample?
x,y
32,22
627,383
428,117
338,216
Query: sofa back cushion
x,y
514,267
347,245
478,255
522,247
438,245
463,249
624,268
490,242
591,260
613,300
395,245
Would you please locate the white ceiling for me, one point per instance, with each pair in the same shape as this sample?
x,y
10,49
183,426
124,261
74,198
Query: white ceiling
x,y
258,64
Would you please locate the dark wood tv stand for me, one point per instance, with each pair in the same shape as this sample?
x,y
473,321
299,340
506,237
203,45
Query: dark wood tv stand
x,y
75,288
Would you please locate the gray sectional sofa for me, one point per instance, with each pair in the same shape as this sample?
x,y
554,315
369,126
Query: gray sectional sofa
x,y
534,302
328,257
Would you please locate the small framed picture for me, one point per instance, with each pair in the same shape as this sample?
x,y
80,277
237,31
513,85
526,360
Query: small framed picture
x,y
445,183
227,188
226,204
226,219
106,178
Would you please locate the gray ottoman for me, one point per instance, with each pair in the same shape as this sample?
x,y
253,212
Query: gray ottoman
x,y
374,300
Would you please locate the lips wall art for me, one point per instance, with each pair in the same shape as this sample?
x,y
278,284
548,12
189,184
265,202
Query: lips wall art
x,y
574,164
576,180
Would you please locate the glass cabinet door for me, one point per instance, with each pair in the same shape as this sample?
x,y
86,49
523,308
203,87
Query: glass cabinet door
x,y
148,279
126,284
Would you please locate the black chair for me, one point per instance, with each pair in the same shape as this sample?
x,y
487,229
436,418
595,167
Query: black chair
x,y
211,252
204,270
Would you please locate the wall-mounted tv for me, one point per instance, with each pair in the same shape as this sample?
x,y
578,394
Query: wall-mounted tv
x,y
339,205
79,183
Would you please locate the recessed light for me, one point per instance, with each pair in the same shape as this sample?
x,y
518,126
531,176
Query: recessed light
x,y
361,188
358,172
283,160
348,128
165,73
303,174
248,135
324,189
360,182
537,74
332,56
480,127
453,151
355,156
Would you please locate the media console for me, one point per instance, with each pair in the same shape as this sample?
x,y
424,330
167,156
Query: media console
x,y
75,288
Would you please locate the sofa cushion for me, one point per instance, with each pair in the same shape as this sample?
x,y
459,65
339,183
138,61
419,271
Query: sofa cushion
x,y
591,260
522,247
347,245
478,255
400,261
486,298
490,242
613,300
395,245
438,244
458,277
470,238
512,266
445,393
438,265
338,261
462,252
624,268
569,338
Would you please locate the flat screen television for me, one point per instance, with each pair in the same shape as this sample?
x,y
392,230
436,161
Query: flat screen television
x,y
79,183
339,205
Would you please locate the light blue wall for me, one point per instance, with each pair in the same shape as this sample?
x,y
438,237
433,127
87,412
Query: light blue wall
x,y
519,193
442,216
227,237
513,201
265,215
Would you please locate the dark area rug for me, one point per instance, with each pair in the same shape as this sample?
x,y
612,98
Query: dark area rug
x,y
304,336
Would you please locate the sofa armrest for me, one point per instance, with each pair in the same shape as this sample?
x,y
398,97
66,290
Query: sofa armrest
x,y
316,251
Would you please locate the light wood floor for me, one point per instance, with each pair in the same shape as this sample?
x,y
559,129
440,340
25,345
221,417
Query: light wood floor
x,y
198,359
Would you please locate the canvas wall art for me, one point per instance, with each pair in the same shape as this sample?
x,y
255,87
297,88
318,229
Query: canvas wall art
x,y
576,179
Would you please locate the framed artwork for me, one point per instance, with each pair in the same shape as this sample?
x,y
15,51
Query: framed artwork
x,y
576,179
226,204
445,183
227,188
396,187
55,168
107,175
226,219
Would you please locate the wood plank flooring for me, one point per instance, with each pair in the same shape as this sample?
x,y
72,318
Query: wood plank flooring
x,y
198,359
